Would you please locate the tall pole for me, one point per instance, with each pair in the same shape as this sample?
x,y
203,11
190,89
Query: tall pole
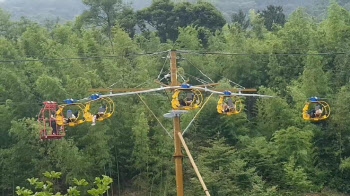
x,y
176,121
194,164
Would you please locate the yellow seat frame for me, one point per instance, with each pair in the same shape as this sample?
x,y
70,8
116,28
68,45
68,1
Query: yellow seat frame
x,y
326,111
108,113
196,102
238,104
74,122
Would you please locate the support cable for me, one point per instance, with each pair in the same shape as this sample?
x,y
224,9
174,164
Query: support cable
x,y
165,76
155,116
198,79
240,86
189,124
161,71
193,164
199,70
181,77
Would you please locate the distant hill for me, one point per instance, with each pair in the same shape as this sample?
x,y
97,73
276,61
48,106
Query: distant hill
x,y
39,10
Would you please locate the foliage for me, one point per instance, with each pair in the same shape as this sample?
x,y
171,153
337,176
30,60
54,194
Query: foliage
x,y
267,149
107,13
273,15
241,19
166,17
46,187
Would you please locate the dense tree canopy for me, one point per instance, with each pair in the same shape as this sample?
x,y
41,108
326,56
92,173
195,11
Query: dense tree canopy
x,y
273,15
268,149
166,17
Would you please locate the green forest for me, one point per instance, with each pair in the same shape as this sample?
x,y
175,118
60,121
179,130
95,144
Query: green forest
x,y
267,149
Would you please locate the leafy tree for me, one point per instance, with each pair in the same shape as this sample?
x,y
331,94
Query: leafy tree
x,y
296,176
166,17
127,20
273,15
188,38
50,88
141,150
16,91
206,15
294,142
314,79
227,174
5,22
297,31
107,13
276,73
21,160
241,19
273,114
261,154
257,23
6,115
47,187
160,16
34,41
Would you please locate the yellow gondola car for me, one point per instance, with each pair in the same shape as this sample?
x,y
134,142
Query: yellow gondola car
x,y
193,99
323,108
228,108
70,119
103,112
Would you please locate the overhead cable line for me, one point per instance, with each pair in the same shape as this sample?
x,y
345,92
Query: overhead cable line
x,y
261,54
162,52
81,58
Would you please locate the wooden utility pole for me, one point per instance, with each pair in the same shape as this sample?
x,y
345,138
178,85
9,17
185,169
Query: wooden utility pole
x,y
176,121
194,165
175,114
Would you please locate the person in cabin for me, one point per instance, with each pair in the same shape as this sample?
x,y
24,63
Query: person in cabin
x,y
76,114
189,99
225,107
318,111
312,113
71,117
53,124
182,102
231,105
101,111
